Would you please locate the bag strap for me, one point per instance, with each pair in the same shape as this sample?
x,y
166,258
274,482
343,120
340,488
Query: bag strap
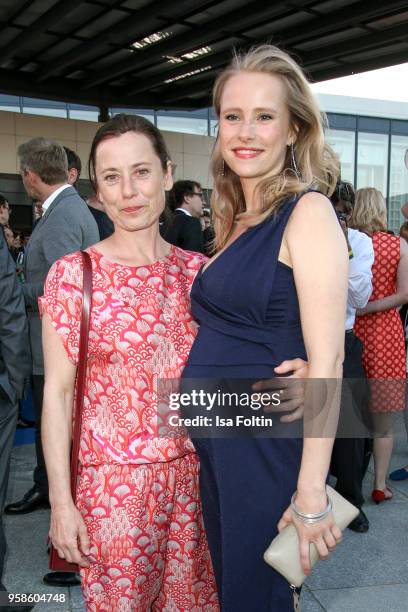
x,y
81,369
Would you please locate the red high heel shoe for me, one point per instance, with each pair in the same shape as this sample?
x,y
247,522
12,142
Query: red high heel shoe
x,y
378,495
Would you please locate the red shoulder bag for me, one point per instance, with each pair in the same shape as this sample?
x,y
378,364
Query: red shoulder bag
x,y
55,562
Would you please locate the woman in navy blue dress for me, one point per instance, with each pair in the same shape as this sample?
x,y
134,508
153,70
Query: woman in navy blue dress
x,y
275,290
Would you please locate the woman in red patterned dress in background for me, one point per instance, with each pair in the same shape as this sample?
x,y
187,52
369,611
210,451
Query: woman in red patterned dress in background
x,y
137,531
380,329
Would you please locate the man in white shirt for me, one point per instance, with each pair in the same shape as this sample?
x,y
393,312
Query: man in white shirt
x,y
350,455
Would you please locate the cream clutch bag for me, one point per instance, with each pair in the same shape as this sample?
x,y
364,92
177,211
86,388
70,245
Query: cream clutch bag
x,y
283,552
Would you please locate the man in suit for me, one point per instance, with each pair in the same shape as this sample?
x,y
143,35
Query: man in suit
x,y
66,226
105,225
184,230
15,367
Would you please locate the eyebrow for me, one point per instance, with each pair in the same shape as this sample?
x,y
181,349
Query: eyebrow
x,y
133,166
257,110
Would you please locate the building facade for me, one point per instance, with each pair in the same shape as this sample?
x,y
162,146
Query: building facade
x,y
370,137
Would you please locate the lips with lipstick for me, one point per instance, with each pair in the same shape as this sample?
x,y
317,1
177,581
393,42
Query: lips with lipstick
x,y
246,152
133,210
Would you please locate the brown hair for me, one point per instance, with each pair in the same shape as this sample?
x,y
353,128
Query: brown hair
x,y
344,195
370,211
317,163
404,231
46,158
179,190
120,124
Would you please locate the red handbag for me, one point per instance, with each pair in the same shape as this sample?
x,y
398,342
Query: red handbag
x,y
55,561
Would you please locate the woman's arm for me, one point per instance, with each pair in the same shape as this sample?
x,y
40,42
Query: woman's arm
x,y
318,254
398,298
67,527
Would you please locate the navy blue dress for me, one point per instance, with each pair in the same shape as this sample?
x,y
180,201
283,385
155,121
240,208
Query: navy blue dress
x,y
247,308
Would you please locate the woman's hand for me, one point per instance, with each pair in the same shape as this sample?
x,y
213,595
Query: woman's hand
x,y
291,391
325,534
69,535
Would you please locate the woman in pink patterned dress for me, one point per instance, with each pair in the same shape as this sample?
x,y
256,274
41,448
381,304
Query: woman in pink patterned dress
x,y
137,530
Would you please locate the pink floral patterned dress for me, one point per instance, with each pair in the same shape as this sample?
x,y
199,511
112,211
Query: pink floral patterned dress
x,y
138,492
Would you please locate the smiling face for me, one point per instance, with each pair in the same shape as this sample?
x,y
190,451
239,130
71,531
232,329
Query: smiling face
x,y
254,124
131,181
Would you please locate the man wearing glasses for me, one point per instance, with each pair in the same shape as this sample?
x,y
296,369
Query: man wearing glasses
x,y
187,202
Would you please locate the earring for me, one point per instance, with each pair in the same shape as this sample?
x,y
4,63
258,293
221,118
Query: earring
x,y
295,167
223,168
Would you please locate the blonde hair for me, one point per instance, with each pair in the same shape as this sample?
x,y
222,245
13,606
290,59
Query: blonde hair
x,y
370,211
317,163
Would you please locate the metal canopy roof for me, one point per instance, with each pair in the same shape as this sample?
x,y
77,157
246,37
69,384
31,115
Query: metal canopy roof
x,y
165,54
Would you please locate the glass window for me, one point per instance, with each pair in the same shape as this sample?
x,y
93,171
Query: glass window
x,y
214,127
49,108
10,103
48,112
83,112
187,122
342,122
398,182
372,161
343,142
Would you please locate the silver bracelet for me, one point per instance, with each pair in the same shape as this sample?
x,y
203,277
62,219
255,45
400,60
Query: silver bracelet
x,y
311,518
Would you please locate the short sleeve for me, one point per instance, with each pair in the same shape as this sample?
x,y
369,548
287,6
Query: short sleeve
x,y
193,262
62,301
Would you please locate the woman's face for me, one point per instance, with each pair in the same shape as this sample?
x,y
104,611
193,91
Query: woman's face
x,y
254,125
131,181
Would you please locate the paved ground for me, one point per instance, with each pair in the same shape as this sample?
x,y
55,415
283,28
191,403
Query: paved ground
x,y
368,572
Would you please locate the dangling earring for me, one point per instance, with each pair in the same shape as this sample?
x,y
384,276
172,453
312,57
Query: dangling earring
x,y
223,168
295,167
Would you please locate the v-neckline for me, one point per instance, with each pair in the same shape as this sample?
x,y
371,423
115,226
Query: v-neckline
x,y
208,264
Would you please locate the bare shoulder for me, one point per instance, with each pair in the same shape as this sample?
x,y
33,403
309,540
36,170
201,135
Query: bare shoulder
x,y
314,203
312,210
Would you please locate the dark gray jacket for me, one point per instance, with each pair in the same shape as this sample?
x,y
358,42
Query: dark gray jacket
x,y
15,362
185,232
66,226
